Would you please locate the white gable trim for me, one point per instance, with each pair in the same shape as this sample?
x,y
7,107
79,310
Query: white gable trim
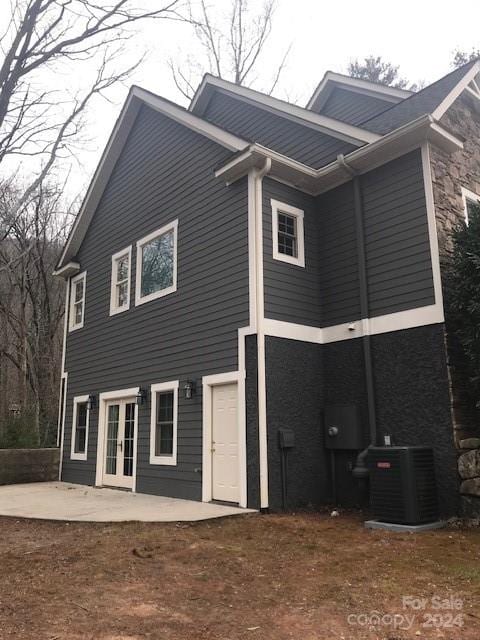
x,y
136,98
330,80
456,91
330,126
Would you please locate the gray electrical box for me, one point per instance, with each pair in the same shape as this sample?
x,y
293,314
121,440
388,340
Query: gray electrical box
x,y
286,438
343,427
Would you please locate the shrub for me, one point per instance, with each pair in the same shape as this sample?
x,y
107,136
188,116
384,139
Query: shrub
x,y
18,432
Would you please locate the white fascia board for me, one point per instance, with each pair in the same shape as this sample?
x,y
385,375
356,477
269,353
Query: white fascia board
x,y
330,126
136,98
331,79
68,270
316,181
456,91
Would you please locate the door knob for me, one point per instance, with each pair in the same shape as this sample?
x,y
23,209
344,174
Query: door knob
x,y
120,444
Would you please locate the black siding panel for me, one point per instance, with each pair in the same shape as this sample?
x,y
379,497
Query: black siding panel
x,y
165,172
353,107
303,143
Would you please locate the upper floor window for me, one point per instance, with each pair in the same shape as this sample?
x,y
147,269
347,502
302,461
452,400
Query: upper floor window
x,y
80,428
120,286
288,233
157,264
77,301
470,200
163,426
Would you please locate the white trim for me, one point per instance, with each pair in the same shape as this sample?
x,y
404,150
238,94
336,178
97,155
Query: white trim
x,y
468,196
77,455
390,94
155,389
208,382
139,299
73,281
330,126
456,91
113,281
70,269
298,214
103,398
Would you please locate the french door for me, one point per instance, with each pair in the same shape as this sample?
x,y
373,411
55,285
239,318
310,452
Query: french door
x,y
119,443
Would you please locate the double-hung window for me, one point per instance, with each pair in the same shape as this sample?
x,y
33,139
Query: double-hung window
x,y
77,301
81,416
163,423
288,233
470,201
157,264
120,283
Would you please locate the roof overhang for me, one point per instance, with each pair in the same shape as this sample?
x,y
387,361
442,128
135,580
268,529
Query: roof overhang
x,y
332,80
317,181
467,84
343,131
136,98
68,270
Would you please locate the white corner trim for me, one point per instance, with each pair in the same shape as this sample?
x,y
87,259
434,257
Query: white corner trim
x,y
73,281
79,456
298,214
432,228
113,281
468,196
139,299
456,91
155,389
103,398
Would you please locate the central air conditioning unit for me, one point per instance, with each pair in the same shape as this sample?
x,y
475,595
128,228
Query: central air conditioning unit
x,y
403,489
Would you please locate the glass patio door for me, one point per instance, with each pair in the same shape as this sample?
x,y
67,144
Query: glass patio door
x,y
119,443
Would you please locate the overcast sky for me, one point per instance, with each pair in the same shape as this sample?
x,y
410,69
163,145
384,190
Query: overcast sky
x,y
418,35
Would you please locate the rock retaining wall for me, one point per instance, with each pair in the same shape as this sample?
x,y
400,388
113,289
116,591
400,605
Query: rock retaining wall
x,y
18,466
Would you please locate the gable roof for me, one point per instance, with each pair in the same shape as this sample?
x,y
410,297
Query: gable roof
x,y
136,98
210,84
331,80
435,99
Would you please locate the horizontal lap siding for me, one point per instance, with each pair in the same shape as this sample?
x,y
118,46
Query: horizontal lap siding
x,y
396,237
300,142
291,292
352,107
165,172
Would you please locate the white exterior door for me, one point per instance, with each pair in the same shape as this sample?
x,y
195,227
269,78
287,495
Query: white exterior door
x,y
120,429
225,463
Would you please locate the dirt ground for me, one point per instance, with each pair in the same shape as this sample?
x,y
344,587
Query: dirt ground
x,y
275,577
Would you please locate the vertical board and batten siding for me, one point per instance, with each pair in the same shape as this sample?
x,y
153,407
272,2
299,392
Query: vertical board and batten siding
x,y
300,142
353,107
397,244
291,293
398,259
165,172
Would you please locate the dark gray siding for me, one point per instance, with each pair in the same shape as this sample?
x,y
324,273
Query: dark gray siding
x,y
255,124
352,107
397,243
165,172
292,293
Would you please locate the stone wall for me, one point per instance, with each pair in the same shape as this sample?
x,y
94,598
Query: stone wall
x,y
469,470
449,174
18,466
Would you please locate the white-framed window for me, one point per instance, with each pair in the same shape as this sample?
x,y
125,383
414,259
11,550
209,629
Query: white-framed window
x,y
288,233
163,423
157,264
120,282
81,418
470,199
77,301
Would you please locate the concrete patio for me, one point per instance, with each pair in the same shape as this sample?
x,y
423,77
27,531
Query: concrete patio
x,y
79,503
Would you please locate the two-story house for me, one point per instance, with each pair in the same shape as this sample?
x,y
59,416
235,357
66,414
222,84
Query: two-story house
x,y
239,266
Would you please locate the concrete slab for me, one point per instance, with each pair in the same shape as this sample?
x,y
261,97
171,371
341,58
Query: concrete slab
x,y
79,503
402,528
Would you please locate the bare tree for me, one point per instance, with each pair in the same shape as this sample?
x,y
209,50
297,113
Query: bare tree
x,y
232,45
375,69
462,57
48,36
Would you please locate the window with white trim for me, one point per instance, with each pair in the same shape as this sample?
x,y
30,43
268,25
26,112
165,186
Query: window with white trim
x,y
288,233
81,417
470,201
77,301
163,423
157,264
120,282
